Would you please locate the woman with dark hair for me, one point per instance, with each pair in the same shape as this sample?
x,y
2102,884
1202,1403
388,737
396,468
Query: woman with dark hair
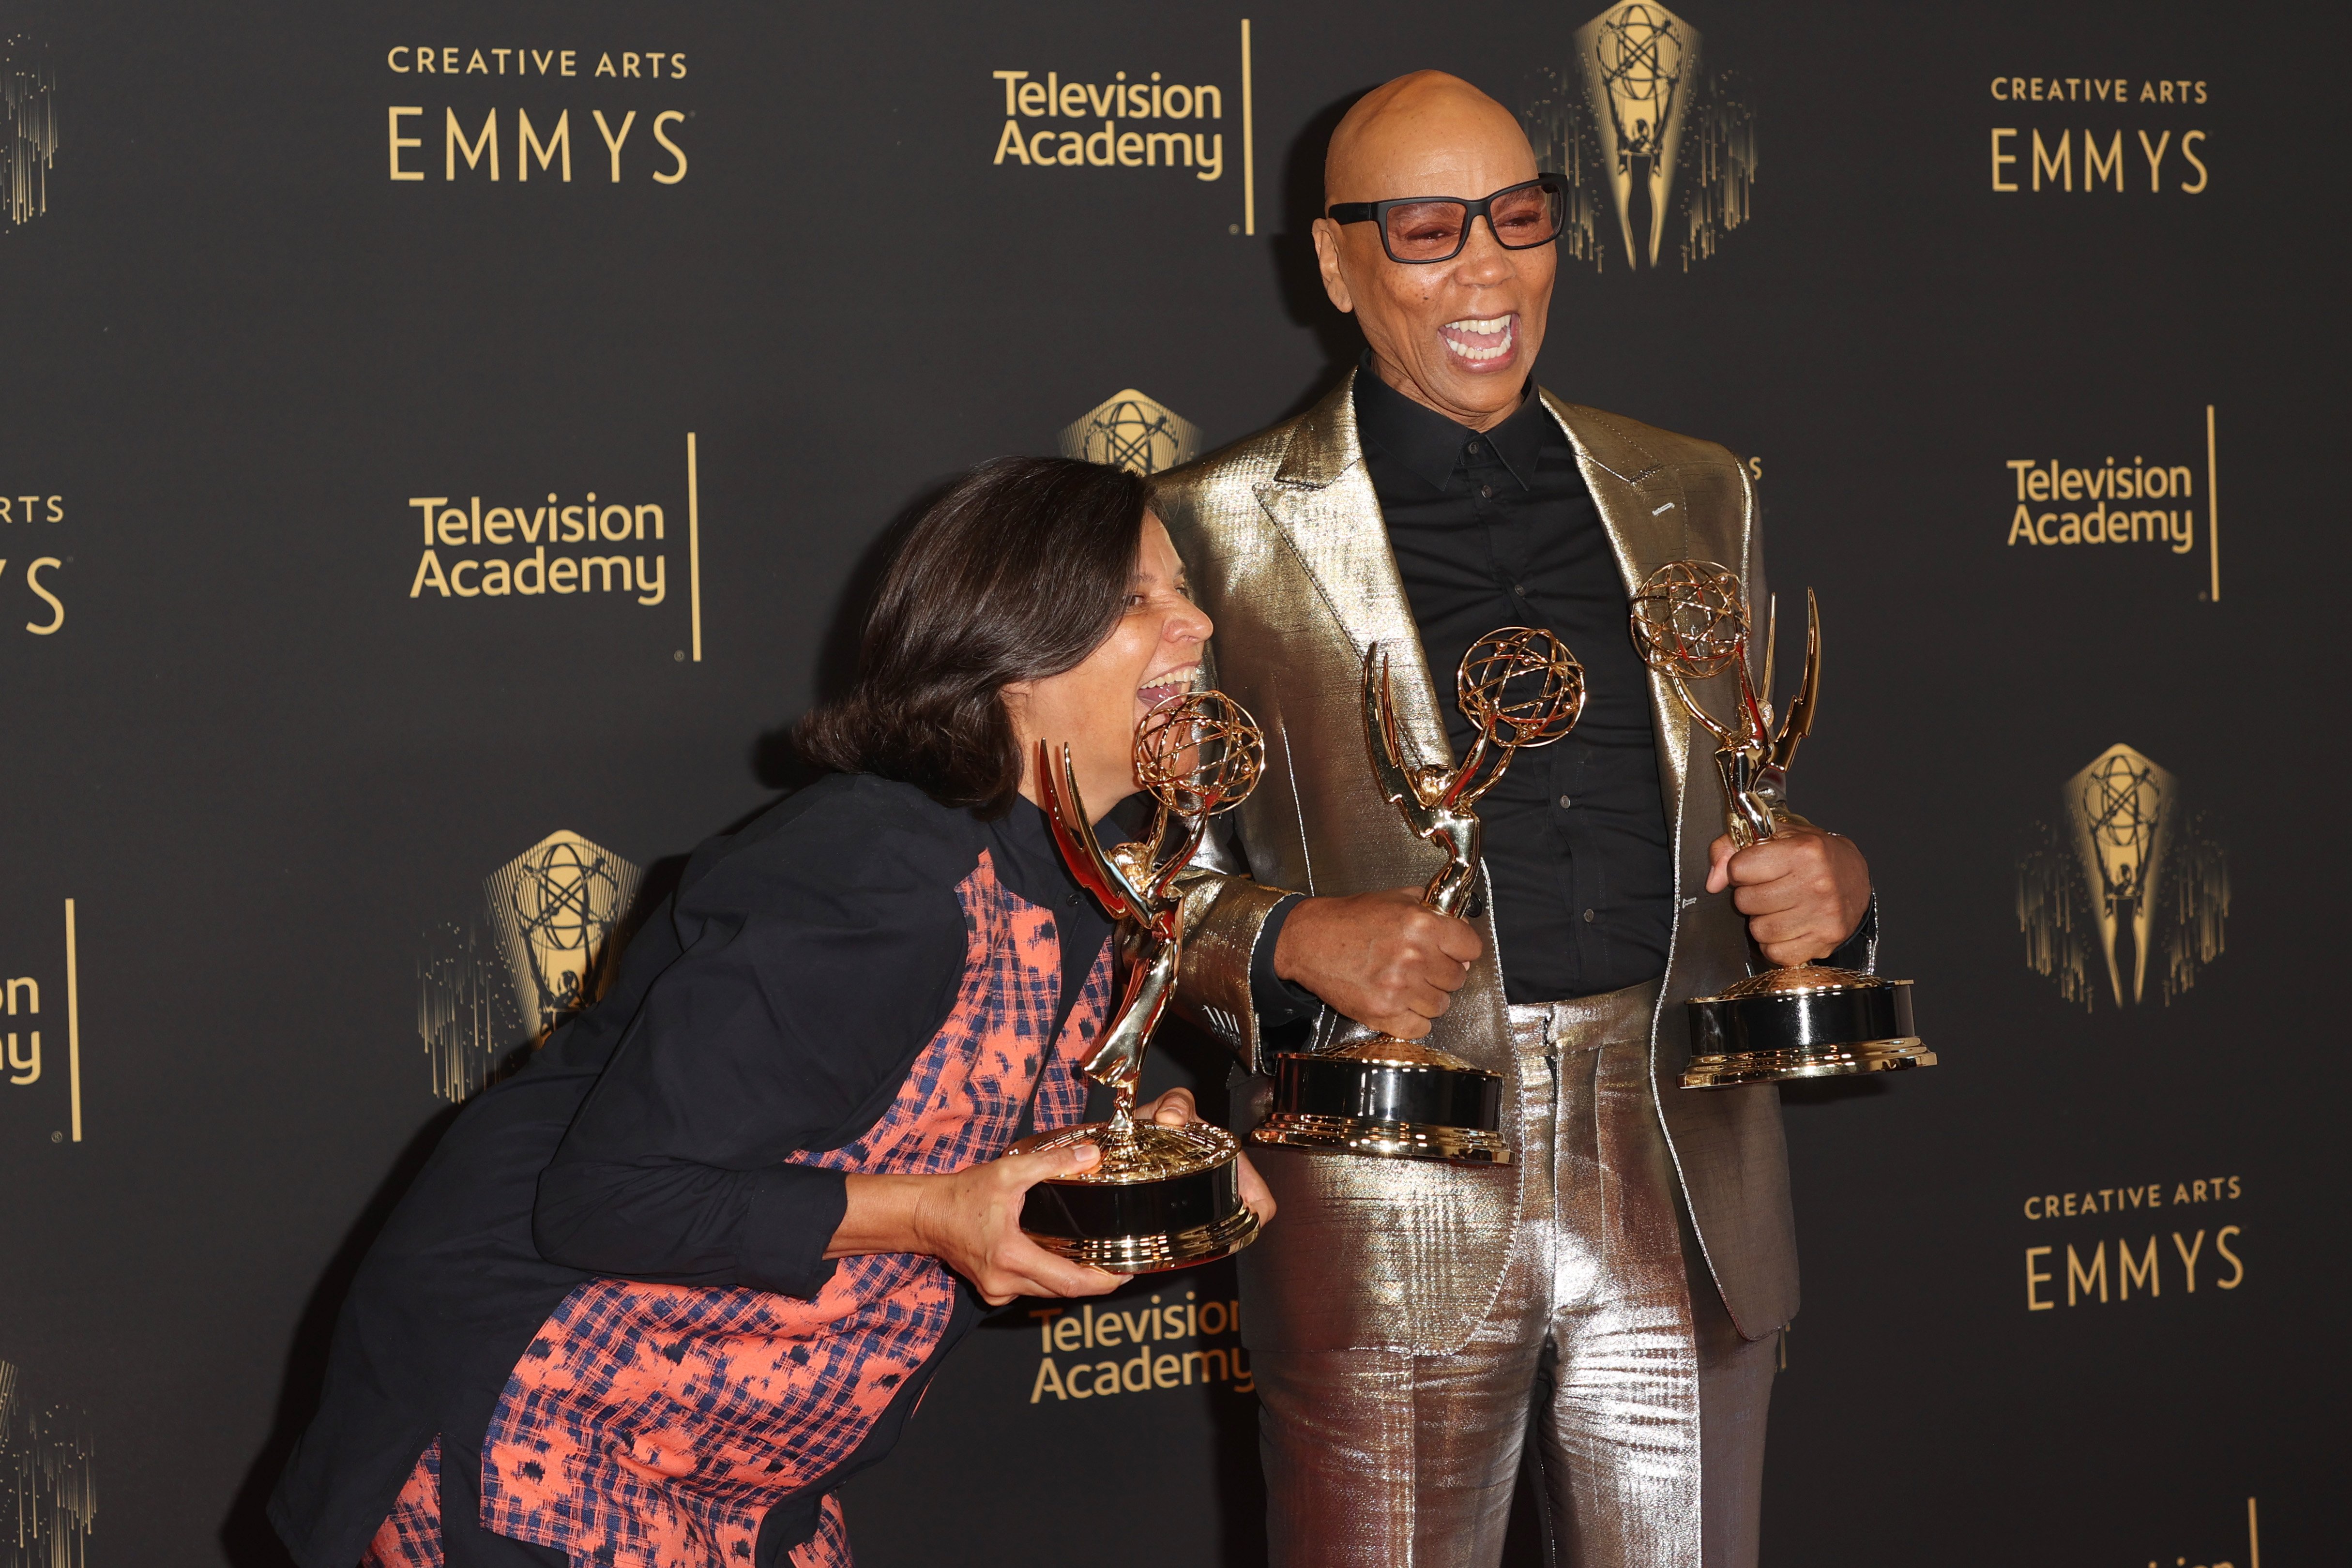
x,y
657,1296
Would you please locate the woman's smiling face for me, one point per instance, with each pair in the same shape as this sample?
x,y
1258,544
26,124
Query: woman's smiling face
x,y
1153,652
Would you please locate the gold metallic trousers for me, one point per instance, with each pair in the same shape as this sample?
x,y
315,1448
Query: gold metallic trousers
x,y
1607,1371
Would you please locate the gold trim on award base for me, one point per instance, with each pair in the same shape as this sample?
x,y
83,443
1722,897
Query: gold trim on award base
x,y
1805,1021
1160,1197
1400,1099
1159,1154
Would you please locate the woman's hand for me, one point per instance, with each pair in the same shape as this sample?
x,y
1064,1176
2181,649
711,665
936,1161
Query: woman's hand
x,y
1177,1109
970,1221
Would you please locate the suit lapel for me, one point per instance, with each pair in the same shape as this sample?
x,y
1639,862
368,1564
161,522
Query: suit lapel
x,y
1322,500
1643,508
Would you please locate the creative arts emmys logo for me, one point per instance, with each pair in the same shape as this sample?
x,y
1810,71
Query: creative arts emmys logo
x,y
2126,876
509,144
1635,117
1128,430
48,1491
536,952
2068,157
49,611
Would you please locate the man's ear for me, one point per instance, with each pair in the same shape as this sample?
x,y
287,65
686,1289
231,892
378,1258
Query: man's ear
x,y
1326,261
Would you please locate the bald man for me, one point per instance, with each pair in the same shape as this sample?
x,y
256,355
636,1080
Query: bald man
x,y
1600,1315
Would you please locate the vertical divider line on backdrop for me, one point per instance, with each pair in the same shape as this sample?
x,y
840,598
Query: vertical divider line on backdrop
x,y
73,1023
694,545
2212,504
1249,141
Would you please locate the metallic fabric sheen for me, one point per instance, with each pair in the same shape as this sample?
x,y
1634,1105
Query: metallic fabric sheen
x,y
1586,1373
1283,537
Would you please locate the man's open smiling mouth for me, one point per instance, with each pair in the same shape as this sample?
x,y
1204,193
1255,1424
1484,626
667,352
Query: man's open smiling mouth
x,y
1481,339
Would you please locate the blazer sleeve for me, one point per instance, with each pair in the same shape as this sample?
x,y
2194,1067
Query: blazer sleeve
x,y
815,964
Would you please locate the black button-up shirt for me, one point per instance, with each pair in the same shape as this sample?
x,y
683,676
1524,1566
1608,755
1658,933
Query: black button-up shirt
x,y
1498,529
1493,529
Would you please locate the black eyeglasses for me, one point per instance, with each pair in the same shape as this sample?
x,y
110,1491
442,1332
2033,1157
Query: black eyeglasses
x,y
1417,230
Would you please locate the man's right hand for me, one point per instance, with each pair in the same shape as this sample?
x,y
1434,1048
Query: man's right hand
x,y
1382,958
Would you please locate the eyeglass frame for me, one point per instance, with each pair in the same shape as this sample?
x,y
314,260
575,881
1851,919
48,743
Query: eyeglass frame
x,y
1377,212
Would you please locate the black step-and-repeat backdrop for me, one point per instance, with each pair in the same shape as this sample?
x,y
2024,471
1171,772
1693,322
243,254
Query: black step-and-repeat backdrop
x,y
443,444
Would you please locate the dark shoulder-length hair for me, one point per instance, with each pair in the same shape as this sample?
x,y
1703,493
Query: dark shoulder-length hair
x,y
1017,574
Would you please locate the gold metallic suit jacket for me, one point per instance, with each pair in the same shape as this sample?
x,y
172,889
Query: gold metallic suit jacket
x,y
1287,550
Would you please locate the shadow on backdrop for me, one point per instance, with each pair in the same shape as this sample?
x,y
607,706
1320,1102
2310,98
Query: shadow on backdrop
x,y
1297,279
776,762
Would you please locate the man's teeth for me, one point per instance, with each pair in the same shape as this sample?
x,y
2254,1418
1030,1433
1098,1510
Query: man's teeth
x,y
1490,326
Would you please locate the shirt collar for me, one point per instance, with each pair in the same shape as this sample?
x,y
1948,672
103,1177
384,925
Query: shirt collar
x,y
1430,445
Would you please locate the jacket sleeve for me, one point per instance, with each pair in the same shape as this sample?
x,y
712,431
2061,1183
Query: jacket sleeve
x,y
816,966
1226,917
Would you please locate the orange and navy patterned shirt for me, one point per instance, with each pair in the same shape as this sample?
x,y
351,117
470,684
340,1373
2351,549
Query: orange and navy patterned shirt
x,y
616,1257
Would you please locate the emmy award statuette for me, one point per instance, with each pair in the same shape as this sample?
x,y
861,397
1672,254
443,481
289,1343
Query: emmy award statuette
x,y
1160,1197
1806,1020
1400,1099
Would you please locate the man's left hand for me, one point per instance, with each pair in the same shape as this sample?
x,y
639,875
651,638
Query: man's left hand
x,y
1803,891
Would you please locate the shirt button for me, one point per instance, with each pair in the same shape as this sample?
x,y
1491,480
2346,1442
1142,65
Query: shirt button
x,y
1520,590
1565,802
1472,449
1487,492
1589,917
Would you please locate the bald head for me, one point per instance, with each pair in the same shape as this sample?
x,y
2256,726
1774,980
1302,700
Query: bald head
x,y
1458,335
1427,122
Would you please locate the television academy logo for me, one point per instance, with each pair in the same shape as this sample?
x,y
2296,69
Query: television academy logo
x,y
537,949
40,1031
1133,432
1157,123
2151,506
2127,875
1637,117
479,549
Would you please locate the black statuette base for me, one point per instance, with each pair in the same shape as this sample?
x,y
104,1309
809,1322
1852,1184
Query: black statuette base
x,y
1141,1224
1392,1109
1775,1036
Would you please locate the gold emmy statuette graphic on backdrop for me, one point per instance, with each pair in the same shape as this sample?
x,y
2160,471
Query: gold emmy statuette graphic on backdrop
x,y
528,957
553,905
2129,884
47,1480
1161,1197
1650,130
1128,430
1638,59
1400,1099
1806,1020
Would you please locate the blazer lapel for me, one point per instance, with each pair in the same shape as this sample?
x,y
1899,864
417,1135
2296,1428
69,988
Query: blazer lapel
x,y
1322,500
1642,506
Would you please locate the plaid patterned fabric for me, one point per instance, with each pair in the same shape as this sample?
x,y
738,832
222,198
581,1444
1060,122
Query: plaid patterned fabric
x,y
654,1425
410,1536
829,1547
